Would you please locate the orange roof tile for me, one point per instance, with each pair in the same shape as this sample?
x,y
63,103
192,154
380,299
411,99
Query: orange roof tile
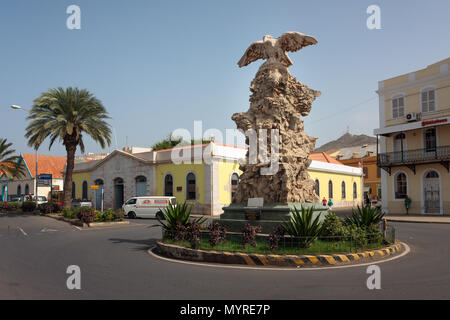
x,y
46,165
323,157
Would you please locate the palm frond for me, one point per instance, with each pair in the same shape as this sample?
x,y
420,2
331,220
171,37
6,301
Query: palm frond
x,y
10,165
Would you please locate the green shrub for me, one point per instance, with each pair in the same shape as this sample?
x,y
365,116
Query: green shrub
x,y
303,226
9,206
98,216
14,205
365,217
358,235
49,207
69,214
29,206
333,228
374,234
108,215
4,206
176,215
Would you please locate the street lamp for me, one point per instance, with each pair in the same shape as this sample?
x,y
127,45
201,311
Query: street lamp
x,y
16,107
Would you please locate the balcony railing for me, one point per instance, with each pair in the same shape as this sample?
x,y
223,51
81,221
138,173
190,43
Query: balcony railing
x,y
413,157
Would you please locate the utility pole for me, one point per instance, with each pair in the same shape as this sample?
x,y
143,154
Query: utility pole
x,y
15,107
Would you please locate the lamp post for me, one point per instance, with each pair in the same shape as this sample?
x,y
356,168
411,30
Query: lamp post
x,y
15,107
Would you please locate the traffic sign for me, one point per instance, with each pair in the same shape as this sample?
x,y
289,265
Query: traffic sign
x,y
44,177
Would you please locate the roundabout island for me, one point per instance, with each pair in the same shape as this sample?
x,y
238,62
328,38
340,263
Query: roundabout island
x,y
178,252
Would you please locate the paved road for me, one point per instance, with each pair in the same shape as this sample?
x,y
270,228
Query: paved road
x,y
35,252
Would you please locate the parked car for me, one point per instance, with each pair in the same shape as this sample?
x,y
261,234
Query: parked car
x,y
40,199
76,203
21,199
146,207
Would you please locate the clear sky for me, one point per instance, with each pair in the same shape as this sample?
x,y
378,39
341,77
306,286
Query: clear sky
x,y
160,65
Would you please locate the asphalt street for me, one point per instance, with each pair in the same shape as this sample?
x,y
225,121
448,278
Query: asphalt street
x,y
36,251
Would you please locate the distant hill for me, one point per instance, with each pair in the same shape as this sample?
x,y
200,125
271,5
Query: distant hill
x,y
347,140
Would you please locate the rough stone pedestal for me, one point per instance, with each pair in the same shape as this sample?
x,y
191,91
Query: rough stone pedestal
x,y
235,216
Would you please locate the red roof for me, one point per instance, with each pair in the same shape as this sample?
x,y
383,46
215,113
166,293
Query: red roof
x,y
323,157
46,165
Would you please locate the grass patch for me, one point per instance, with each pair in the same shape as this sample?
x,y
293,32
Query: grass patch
x,y
285,247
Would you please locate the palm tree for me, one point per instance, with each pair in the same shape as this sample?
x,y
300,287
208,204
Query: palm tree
x,y
65,114
9,164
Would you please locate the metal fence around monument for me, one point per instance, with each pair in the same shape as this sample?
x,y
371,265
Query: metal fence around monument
x,y
353,243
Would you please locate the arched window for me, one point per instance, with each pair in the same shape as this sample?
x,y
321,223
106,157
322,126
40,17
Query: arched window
x,y
84,195
190,187
73,190
168,185
432,174
343,189
330,189
401,186
317,187
234,184
27,189
141,186
19,190
355,190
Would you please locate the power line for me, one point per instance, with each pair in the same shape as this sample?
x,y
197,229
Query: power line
x,y
342,111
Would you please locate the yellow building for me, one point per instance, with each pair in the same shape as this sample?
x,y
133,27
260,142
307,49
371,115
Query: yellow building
x,y
414,138
206,179
340,183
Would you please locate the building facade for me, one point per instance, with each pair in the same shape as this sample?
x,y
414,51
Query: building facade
x,y
13,187
206,179
364,157
414,136
336,181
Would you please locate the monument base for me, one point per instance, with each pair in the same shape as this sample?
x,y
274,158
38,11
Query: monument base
x,y
270,215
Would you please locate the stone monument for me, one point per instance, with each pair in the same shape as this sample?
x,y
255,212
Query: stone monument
x,y
278,101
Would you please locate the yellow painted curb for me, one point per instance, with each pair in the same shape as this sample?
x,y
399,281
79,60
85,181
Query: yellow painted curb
x,y
254,259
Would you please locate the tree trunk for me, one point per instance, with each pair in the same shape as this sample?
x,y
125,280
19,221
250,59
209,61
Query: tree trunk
x,y
67,192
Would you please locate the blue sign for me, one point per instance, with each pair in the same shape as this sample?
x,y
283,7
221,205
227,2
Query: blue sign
x,y
45,177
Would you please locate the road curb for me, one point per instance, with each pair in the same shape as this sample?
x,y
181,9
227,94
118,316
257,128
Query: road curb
x,y
251,259
78,223
416,221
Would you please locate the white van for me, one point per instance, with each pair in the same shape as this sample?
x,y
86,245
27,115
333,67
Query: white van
x,y
146,207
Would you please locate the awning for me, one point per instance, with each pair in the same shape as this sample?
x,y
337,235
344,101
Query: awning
x,y
412,126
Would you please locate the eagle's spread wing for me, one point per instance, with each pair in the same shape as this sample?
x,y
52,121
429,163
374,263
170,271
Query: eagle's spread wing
x,y
253,53
293,41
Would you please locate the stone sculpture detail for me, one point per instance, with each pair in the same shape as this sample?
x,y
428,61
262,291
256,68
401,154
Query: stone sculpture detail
x,y
278,101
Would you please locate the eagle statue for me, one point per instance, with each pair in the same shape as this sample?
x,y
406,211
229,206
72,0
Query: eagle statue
x,y
274,50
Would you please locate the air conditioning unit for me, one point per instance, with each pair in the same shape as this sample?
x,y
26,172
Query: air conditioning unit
x,y
412,116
